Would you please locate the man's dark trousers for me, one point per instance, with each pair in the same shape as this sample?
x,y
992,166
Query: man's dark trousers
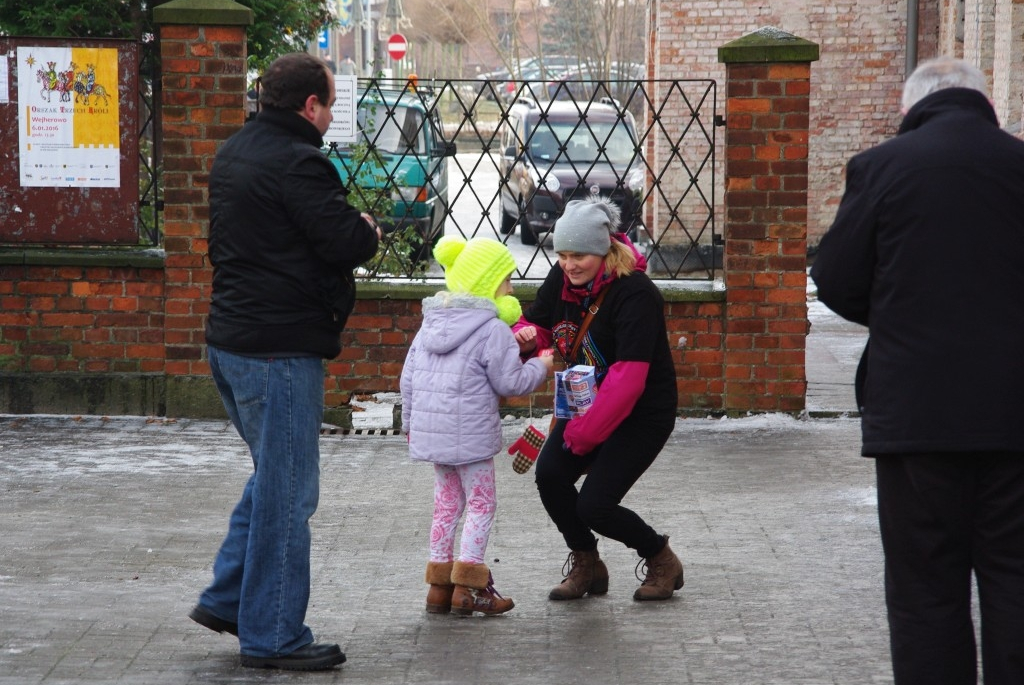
x,y
943,515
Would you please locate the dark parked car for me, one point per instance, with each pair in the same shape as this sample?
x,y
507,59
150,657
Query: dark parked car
x,y
554,152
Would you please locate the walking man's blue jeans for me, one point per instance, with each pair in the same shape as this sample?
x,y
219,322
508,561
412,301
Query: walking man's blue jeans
x,y
261,573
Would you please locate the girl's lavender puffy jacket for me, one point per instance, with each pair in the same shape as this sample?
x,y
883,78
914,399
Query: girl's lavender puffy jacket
x,y
460,363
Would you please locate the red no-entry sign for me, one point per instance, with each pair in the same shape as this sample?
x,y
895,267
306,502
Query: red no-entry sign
x,y
397,46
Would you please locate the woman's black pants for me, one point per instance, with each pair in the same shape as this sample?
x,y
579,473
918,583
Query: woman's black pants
x,y
612,469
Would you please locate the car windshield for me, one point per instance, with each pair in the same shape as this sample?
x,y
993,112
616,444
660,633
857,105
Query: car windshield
x,y
392,130
583,143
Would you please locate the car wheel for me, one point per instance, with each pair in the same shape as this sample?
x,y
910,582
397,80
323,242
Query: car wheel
x,y
508,223
438,223
526,233
423,250
418,251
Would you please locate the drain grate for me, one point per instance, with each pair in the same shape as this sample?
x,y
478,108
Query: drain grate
x,y
361,431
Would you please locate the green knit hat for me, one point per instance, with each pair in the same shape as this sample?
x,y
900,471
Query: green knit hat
x,y
477,267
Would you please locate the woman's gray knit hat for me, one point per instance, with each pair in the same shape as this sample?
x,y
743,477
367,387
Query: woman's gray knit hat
x,y
586,226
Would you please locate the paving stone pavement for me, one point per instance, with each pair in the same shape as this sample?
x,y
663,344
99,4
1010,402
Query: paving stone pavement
x,y
108,527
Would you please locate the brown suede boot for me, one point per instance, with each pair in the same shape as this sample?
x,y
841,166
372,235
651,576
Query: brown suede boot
x,y
664,575
439,597
586,574
474,591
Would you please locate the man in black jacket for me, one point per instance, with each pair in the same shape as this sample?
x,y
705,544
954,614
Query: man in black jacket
x,y
283,244
926,250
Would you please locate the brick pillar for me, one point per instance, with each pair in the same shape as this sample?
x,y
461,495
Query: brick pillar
x,y
203,76
765,256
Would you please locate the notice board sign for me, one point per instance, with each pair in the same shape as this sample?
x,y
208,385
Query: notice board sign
x,y
69,170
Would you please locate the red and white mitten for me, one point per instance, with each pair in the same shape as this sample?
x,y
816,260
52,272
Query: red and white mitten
x,y
525,449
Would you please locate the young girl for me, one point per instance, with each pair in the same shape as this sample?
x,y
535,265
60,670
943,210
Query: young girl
x,y
464,359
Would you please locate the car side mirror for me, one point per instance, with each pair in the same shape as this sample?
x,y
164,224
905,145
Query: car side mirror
x,y
510,151
448,149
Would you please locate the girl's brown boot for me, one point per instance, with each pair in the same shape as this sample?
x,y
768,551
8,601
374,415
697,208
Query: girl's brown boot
x,y
439,597
474,591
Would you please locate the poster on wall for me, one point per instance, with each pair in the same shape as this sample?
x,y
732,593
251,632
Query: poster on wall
x,y
75,135
68,130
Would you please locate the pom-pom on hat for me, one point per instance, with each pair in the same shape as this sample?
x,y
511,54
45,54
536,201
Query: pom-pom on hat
x,y
477,267
586,226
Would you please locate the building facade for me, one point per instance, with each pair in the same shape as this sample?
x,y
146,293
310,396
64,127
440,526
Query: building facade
x,y
856,84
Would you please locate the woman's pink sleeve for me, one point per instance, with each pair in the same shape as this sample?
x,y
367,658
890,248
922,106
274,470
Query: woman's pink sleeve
x,y
615,400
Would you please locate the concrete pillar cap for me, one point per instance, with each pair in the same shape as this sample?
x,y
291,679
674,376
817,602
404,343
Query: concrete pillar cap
x,y
768,44
203,13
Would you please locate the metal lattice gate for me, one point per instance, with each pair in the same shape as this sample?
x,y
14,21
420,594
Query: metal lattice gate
x,y
482,158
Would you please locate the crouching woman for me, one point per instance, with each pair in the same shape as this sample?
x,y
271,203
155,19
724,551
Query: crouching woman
x,y
618,438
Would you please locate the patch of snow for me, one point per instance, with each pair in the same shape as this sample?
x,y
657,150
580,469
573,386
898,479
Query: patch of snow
x,y
376,411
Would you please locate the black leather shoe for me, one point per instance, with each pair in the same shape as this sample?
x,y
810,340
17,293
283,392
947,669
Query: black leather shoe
x,y
203,617
312,657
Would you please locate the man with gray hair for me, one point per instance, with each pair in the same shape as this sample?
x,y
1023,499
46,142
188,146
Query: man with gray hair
x,y
942,391
940,73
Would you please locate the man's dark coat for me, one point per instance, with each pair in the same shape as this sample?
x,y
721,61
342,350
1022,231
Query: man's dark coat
x,y
927,250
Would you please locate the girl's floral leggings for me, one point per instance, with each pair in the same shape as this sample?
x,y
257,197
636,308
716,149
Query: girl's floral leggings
x,y
469,489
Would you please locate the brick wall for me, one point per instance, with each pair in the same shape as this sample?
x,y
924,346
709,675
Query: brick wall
x,y
81,319
854,87
89,339
122,333
736,350
386,319
696,335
